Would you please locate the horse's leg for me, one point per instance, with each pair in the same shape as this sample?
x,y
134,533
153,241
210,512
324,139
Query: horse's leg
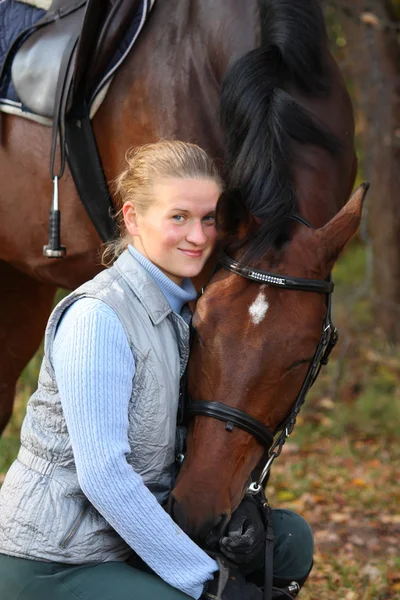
x,y
25,305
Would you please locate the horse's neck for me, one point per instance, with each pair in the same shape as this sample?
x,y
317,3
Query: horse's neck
x,y
231,29
170,84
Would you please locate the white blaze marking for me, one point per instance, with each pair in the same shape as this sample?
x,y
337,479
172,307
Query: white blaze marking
x,y
258,309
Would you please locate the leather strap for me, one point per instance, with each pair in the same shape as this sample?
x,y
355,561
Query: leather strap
x,y
63,85
232,416
87,172
269,551
283,281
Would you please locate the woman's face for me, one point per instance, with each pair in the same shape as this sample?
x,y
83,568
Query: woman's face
x,y
177,231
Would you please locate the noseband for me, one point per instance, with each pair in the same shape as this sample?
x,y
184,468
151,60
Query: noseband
x,y
236,417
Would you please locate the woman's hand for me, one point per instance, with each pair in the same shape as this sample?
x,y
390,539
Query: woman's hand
x,y
244,543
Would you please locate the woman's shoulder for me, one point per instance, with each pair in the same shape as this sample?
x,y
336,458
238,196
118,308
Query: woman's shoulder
x,y
89,307
87,313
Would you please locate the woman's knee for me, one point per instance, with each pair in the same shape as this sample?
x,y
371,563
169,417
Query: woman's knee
x,y
293,545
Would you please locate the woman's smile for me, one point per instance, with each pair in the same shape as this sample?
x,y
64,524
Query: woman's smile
x,y
192,253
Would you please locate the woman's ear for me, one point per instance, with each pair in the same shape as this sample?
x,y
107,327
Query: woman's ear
x,y
130,218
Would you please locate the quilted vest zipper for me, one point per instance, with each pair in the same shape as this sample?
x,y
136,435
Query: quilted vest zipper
x,y
66,540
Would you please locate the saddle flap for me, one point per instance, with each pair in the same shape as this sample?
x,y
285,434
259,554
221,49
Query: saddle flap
x,y
43,60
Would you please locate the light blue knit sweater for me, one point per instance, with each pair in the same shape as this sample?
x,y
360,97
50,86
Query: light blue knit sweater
x,y
94,368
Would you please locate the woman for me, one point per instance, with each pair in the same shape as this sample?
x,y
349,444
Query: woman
x,y
99,440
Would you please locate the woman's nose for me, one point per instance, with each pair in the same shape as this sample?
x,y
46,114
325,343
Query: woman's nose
x,y
196,234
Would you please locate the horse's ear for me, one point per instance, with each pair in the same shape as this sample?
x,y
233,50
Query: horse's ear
x,y
233,218
339,230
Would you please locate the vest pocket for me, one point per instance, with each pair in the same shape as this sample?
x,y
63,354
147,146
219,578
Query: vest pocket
x,y
73,528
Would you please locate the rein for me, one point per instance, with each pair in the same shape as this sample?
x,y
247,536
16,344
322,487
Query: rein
x,y
236,417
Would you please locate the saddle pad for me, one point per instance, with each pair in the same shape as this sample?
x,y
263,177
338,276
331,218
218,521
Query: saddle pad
x,y
15,16
45,4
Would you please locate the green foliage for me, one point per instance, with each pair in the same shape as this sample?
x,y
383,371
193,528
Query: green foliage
x,y
349,272
9,442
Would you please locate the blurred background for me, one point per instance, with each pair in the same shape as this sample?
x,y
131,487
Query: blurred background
x,y
341,467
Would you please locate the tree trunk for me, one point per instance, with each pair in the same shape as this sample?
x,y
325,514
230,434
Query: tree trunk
x,y
374,54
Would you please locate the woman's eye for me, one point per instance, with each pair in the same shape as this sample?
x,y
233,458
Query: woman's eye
x,y
178,218
209,218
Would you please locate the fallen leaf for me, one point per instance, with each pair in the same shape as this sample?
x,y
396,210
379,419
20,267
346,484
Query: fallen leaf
x,y
374,463
390,519
339,517
359,482
326,536
326,403
285,496
291,448
371,572
357,540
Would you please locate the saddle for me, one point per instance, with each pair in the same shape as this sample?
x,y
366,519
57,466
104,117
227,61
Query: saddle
x,y
55,66
63,55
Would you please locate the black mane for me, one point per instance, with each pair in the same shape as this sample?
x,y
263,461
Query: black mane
x,y
263,123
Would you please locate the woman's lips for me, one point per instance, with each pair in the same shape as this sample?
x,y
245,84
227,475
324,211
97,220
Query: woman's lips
x,y
192,253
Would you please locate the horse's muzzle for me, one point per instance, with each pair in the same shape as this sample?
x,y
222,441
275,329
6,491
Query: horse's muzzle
x,y
207,531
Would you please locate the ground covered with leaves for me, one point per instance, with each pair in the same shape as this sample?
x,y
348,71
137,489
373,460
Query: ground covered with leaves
x,y
348,491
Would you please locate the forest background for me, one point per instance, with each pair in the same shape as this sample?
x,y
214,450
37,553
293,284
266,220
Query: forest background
x,y
341,467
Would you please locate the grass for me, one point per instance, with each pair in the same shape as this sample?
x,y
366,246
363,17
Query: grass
x,y
340,468
9,442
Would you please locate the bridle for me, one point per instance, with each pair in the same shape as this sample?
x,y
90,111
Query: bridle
x,y
329,336
234,417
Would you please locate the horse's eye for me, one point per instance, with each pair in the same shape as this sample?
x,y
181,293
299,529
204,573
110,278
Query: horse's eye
x,y
297,363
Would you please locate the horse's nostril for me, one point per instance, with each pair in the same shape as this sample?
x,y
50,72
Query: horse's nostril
x,y
220,525
217,531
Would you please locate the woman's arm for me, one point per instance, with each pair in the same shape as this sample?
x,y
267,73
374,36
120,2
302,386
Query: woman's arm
x,y
94,370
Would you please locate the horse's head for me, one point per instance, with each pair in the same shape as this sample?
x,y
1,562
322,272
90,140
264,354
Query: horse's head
x,y
253,346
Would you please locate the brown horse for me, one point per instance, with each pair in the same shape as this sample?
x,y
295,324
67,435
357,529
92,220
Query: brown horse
x,y
169,87
288,127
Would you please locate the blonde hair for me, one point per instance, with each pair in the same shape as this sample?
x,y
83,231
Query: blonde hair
x,y
147,165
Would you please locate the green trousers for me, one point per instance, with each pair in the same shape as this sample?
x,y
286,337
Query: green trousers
x,y
23,579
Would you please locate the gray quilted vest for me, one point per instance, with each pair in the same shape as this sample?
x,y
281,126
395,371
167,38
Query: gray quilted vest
x,y
43,512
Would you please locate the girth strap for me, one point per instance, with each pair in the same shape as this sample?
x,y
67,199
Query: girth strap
x,y
87,172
